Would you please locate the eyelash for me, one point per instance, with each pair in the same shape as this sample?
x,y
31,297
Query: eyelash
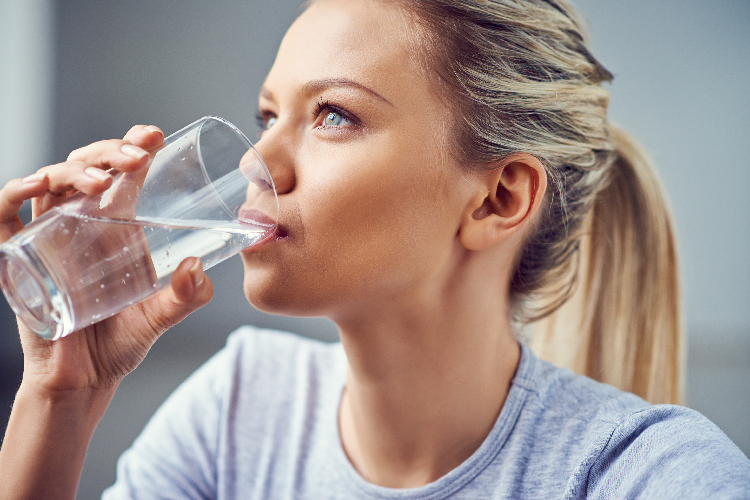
x,y
262,117
322,106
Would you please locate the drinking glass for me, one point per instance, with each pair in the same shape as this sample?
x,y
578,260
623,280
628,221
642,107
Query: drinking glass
x,y
207,194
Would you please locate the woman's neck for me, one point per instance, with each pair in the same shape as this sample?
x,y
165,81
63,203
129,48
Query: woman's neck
x,y
426,383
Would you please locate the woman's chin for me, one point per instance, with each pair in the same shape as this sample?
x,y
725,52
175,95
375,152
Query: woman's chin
x,y
277,299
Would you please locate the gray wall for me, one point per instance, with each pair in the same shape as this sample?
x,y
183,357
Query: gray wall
x,y
26,84
681,86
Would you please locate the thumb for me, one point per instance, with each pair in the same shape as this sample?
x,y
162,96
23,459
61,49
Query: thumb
x,y
191,290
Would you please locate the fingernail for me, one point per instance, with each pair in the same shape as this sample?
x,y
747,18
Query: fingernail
x,y
33,178
153,128
133,151
97,174
196,273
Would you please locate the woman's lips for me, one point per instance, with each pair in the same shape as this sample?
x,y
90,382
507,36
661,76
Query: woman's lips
x,y
268,239
256,217
273,232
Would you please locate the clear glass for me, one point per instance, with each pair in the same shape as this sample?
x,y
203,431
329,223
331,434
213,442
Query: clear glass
x,y
206,194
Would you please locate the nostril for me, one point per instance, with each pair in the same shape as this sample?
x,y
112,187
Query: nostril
x,y
263,185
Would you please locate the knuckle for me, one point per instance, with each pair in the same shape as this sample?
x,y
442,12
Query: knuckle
x,y
94,150
77,153
156,321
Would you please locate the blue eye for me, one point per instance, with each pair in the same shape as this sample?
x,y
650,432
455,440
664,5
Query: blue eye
x,y
265,120
327,114
334,119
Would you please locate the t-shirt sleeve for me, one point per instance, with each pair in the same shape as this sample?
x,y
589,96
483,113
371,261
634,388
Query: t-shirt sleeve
x,y
175,455
669,452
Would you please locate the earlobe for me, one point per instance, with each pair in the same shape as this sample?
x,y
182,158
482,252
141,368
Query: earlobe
x,y
509,195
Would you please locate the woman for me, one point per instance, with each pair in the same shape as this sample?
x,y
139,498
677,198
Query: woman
x,y
446,175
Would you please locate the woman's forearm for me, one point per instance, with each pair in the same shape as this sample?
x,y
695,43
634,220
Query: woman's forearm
x,y
46,440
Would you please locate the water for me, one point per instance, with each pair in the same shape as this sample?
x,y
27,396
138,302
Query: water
x,y
101,266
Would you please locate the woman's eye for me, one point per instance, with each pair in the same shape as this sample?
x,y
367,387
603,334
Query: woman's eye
x,y
334,119
265,120
330,115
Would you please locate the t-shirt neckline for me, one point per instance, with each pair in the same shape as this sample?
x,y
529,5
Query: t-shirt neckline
x,y
459,477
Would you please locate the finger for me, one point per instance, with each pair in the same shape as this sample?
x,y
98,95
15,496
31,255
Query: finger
x,y
12,196
148,137
191,290
15,192
188,282
113,153
77,175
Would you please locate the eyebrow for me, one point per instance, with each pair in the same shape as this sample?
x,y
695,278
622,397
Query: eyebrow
x,y
316,86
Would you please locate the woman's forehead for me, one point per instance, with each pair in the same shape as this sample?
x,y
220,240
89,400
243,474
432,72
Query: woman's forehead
x,y
355,39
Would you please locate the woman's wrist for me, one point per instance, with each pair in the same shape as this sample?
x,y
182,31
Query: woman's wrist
x,y
47,437
86,402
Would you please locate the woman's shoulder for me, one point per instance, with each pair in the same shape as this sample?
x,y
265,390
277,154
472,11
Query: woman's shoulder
x,y
561,396
239,408
561,393
609,440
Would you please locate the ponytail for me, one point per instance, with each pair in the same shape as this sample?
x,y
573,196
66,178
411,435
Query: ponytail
x,y
622,325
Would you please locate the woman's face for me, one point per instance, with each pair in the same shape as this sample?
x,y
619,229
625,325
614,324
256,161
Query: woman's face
x,y
356,140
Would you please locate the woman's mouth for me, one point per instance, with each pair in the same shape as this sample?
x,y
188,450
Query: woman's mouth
x,y
255,217
272,231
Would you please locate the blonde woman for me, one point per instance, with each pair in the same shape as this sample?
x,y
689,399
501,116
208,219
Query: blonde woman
x,y
448,181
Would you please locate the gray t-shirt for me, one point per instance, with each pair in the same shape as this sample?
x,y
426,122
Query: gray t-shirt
x,y
259,421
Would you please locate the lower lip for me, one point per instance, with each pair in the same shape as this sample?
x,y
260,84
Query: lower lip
x,y
275,237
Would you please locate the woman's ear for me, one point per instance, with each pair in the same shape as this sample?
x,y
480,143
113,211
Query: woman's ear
x,y
508,197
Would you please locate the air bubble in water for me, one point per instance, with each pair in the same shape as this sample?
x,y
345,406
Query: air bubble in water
x,y
101,286
154,285
127,275
97,300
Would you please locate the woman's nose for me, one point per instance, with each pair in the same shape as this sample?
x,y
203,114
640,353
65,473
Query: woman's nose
x,y
277,154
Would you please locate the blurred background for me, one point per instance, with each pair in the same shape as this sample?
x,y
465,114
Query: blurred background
x,y
77,71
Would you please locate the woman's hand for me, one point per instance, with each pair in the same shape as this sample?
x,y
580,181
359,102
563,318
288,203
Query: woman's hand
x,y
67,384
100,355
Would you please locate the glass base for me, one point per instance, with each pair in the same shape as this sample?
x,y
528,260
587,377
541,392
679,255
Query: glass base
x,y
32,293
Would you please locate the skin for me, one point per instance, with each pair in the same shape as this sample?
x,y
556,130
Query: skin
x,y
385,234
68,384
380,230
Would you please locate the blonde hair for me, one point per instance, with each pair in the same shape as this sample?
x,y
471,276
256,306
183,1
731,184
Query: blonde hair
x,y
599,275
